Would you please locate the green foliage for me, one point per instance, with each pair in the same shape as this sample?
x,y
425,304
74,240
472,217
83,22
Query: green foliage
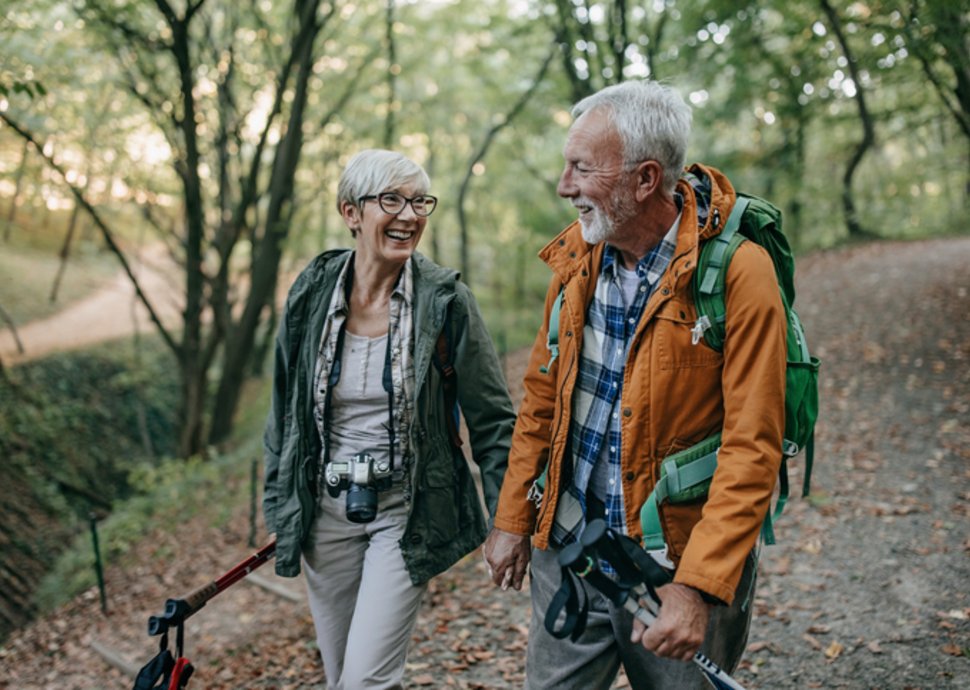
x,y
10,86
82,418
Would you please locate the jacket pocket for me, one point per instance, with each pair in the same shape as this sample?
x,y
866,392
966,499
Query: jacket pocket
x,y
439,497
678,522
674,339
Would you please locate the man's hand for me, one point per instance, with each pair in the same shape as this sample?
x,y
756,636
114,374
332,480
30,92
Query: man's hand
x,y
507,556
681,626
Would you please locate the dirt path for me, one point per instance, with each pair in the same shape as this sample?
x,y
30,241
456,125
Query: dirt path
x,y
868,587
107,314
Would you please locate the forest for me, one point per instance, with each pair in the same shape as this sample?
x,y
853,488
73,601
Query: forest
x,y
217,131
210,135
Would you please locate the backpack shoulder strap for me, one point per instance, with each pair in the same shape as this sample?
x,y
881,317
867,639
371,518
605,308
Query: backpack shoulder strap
x,y
710,277
552,336
443,362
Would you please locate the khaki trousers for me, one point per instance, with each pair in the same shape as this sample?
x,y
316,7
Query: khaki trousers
x,y
363,602
592,662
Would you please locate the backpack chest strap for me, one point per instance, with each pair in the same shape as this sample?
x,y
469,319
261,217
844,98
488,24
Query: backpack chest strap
x,y
684,476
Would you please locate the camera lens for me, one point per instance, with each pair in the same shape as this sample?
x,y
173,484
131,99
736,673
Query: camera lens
x,y
361,503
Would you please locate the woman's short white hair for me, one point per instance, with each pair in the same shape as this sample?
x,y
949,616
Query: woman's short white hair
x,y
373,171
653,122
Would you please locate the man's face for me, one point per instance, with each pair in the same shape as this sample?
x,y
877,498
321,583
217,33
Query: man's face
x,y
594,178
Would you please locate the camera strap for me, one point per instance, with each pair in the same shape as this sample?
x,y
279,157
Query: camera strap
x,y
334,378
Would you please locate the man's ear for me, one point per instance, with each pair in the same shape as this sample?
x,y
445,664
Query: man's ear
x,y
650,175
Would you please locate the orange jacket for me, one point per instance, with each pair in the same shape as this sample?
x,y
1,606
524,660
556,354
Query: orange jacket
x,y
674,395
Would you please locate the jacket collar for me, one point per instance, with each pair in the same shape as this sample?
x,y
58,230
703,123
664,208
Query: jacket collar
x,y
434,287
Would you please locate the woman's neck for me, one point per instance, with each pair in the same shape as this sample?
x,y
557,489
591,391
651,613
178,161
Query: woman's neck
x,y
370,297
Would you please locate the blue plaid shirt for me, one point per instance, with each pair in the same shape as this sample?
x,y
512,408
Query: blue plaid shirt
x,y
610,324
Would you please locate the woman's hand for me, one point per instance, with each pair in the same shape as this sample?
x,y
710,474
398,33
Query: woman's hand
x,y
507,557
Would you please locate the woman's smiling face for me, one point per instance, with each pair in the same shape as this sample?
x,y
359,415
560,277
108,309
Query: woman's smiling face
x,y
382,237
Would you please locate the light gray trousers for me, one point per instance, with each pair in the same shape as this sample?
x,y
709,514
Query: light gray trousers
x,y
361,597
592,662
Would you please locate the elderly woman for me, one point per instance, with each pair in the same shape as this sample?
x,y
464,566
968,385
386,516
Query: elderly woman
x,y
364,476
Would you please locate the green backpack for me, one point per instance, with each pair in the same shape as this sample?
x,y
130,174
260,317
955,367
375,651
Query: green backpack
x,y
686,475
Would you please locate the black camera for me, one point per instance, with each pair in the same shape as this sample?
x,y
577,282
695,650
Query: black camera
x,y
362,476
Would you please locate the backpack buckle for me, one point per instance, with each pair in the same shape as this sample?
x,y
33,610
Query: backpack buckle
x,y
700,326
535,494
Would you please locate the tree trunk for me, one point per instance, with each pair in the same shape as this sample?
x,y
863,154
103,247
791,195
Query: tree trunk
x,y
392,70
194,372
619,38
434,238
795,208
12,212
65,252
580,85
239,346
13,328
853,225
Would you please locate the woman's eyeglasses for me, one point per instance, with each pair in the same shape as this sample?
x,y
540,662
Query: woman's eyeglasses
x,y
393,203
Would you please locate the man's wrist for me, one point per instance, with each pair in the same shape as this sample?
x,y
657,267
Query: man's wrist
x,y
709,599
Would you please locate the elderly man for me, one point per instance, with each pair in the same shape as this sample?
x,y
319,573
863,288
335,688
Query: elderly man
x,y
630,387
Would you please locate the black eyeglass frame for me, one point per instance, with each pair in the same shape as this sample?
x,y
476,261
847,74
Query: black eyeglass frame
x,y
380,202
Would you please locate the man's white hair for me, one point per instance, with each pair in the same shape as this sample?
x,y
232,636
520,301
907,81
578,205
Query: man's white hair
x,y
653,122
373,171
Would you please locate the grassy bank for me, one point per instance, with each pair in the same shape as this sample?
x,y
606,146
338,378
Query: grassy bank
x,y
168,494
74,431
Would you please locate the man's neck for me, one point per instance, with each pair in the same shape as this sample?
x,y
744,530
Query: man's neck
x,y
645,231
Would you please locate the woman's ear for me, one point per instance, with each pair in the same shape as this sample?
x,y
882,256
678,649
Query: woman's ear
x,y
351,215
650,175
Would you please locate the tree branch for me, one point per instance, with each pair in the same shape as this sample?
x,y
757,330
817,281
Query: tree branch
x,y
13,328
483,149
105,231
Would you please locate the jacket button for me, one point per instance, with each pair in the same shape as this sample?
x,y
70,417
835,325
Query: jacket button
x,y
572,255
562,243
415,538
569,334
629,476
627,412
665,291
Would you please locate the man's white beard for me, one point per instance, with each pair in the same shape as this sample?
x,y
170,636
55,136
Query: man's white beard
x,y
599,229
602,225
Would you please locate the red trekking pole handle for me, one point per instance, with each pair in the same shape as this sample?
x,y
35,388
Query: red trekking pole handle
x,y
181,673
177,610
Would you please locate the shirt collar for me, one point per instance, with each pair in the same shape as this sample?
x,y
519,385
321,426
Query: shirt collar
x,y
402,288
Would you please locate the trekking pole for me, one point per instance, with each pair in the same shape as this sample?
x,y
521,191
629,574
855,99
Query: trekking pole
x,y
599,541
177,610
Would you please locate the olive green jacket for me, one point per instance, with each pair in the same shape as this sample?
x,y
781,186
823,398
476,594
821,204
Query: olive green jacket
x,y
445,519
